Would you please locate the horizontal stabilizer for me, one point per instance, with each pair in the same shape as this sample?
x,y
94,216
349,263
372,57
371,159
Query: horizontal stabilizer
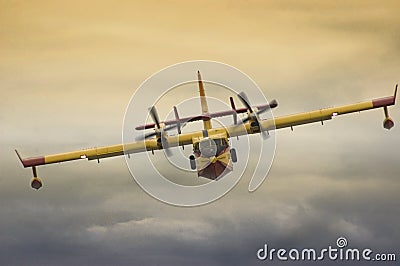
x,y
188,119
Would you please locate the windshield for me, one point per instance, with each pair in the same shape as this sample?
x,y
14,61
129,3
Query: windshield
x,y
208,148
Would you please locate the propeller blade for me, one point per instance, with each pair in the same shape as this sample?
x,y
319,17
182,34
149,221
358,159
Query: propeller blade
x,y
244,120
154,116
264,134
164,141
243,98
154,133
178,122
168,151
146,136
165,145
272,105
169,127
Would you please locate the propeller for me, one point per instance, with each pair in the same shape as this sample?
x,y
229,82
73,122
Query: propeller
x,y
178,121
254,115
272,104
152,134
165,145
154,116
159,131
243,98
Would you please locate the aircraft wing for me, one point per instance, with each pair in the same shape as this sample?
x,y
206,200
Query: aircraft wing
x,y
232,131
329,113
90,154
189,138
111,151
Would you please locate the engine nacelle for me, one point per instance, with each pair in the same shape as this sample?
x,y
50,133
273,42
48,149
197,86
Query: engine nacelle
x,y
36,183
388,123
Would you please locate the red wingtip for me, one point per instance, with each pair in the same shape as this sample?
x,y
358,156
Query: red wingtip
x,y
32,161
385,101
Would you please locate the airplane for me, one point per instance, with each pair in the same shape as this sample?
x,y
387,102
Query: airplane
x,y
212,155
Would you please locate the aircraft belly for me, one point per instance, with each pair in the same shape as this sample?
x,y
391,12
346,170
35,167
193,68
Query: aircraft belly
x,y
216,167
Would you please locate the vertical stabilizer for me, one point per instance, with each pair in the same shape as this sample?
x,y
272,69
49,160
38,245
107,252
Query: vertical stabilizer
x,y
204,107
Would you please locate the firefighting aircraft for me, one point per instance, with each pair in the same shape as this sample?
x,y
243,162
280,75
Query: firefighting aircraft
x,y
212,156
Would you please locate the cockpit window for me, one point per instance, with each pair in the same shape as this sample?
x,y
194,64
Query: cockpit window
x,y
208,148
221,144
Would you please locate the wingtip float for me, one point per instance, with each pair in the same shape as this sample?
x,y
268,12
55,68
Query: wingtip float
x,y
212,156
36,183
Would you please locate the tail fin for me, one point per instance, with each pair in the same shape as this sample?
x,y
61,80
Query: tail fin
x,y
203,100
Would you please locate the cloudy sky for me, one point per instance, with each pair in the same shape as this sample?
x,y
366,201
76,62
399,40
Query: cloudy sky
x,y
68,70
